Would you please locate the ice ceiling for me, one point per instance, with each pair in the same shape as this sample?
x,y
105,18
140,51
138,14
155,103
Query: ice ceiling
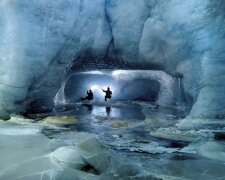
x,y
39,39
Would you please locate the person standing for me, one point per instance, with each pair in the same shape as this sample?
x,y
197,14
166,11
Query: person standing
x,y
108,93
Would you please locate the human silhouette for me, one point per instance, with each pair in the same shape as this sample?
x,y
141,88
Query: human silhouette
x,y
108,93
89,96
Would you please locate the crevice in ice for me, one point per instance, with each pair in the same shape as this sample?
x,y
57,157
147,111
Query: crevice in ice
x,y
90,169
111,43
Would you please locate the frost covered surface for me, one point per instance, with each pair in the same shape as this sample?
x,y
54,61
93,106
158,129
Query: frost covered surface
x,y
39,39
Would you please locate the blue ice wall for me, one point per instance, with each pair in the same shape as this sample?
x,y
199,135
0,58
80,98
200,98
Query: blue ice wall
x,y
39,39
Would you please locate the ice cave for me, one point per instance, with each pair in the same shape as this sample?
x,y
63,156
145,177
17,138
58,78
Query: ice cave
x,y
112,89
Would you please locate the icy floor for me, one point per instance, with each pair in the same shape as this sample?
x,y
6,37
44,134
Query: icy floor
x,y
120,141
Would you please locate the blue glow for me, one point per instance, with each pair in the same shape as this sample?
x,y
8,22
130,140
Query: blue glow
x,y
125,85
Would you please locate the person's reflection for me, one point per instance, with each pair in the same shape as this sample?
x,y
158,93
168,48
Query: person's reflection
x,y
108,110
89,108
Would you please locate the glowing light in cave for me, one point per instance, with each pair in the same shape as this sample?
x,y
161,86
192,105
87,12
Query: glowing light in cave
x,y
95,87
93,72
97,90
117,72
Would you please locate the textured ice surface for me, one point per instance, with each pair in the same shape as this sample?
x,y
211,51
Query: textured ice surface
x,y
26,153
39,39
43,29
141,148
201,137
183,38
179,135
193,124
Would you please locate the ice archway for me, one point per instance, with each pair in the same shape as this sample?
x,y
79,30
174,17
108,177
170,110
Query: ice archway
x,y
127,85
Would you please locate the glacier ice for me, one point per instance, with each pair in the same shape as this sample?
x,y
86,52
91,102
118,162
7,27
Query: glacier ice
x,y
174,49
40,38
41,29
29,154
53,152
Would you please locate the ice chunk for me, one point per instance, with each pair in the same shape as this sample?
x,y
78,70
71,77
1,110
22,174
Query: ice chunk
x,y
28,155
70,156
90,156
58,120
98,156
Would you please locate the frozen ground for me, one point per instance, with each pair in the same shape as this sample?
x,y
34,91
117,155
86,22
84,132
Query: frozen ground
x,y
92,143
27,153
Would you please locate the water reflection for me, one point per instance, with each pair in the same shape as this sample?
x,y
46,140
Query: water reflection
x,y
129,111
89,108
108,110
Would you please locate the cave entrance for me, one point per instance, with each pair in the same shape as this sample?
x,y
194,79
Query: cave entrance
x,y
126,85
123,88
126,82
129,87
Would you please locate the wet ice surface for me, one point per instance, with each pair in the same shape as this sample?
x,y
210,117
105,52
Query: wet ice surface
x,y
153,142
144,134
63,155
